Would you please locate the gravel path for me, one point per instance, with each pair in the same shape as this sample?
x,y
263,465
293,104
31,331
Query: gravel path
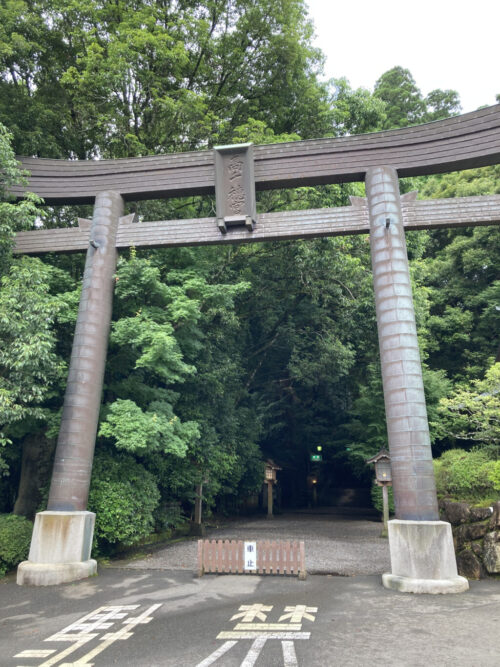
x,y
335,543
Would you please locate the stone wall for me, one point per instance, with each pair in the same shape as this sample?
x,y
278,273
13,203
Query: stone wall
x,y
476,535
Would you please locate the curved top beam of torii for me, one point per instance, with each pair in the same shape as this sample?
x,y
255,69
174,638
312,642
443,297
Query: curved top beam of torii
x,y
460,142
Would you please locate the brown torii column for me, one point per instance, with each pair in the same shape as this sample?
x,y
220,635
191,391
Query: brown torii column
x,y
422,553
62,536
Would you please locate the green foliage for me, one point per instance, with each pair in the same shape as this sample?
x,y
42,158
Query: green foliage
x,y
170,333
441,104
494,475
404,104
10,174
366,429
13,217
124,496
465,475
473,411
377,500
357,111
28,363
461,271
159,428
29,366
169,517
468,183
15,538
101,87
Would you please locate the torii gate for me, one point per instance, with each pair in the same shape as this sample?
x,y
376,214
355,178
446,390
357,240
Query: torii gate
x,y
422,554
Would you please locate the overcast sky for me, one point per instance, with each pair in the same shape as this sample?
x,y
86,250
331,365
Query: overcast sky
x,y
444,43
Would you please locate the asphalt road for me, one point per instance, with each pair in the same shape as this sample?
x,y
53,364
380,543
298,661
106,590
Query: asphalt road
x,y
169,618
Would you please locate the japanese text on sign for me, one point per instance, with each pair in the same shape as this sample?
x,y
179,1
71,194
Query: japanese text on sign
x,y
250,556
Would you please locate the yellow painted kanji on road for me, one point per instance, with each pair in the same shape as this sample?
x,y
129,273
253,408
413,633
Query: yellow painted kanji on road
x,y
249,612
297,613
261,632
88,629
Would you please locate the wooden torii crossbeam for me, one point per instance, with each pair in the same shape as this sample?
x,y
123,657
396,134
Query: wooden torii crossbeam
x,y
280,226
462,142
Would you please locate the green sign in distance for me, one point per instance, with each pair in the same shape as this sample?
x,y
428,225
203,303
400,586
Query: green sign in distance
x,y
316,457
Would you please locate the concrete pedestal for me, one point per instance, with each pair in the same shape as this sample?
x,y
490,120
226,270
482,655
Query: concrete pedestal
x,y
60,549
423,558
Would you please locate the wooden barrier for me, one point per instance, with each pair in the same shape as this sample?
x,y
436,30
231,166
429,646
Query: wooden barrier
x,y
272,557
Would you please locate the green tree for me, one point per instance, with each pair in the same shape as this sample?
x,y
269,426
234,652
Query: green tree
x,y
124,496
14,217
357,111
472,413
28,363
172,388
461,271
442,104
31,369
402,97
466,475
404,103
130,78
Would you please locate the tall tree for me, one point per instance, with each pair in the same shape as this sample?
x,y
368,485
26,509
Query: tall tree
x,y
462,270
29,363
405,104
130,78
403,99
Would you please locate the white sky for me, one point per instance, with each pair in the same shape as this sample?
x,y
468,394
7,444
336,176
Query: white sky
x,y
444,43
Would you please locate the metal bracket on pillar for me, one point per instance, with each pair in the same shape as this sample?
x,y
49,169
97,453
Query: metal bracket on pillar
x,y
130,218
409,197
84,224
235,187
357,202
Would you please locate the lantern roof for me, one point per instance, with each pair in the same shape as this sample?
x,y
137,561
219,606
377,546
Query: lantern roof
x,y
383,454
271,464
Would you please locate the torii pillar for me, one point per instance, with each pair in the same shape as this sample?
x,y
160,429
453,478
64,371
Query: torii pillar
x,y
62,535
422,553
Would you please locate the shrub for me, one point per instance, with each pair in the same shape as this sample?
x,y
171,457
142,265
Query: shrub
x,y
124,496
494,475
169,516
15,538
376,494
465,475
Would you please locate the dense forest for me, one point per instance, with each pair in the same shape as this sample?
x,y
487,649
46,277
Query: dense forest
x,y
222,357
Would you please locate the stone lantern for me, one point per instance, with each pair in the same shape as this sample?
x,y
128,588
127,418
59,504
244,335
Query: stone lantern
x,y
383,477
270,479
383,473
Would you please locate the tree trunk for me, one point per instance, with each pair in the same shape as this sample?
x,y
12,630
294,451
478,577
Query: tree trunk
x,y
35,471
198,503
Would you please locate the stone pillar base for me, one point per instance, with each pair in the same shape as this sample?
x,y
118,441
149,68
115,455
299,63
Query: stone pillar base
x,y
423,558
50,574
60,549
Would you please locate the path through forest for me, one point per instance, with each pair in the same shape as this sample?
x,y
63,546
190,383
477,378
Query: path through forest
x,y
336,542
